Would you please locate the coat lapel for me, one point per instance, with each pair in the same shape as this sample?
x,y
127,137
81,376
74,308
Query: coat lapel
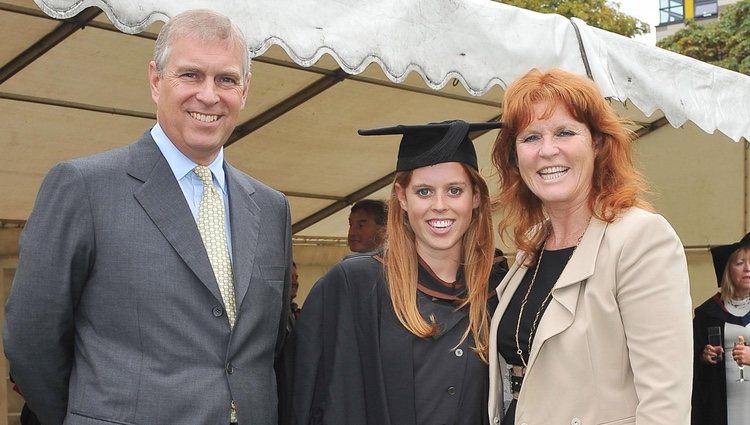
x,y
243,213
161,198
561,310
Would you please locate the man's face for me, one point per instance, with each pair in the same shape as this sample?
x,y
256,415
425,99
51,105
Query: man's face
x,y
199,95
364,234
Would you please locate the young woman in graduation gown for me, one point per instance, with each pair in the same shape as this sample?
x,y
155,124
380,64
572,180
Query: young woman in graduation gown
x,y
400,337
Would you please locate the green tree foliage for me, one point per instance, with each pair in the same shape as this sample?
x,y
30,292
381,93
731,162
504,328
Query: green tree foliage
x,y
724,42
597,13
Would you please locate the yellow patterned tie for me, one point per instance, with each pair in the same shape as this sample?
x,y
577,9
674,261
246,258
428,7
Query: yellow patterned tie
x,y
213,233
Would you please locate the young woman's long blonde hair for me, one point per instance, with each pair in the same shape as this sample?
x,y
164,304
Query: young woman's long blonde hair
x,y
401,264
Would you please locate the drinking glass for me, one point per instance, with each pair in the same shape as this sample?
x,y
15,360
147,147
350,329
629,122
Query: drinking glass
x,y
715,339
741,341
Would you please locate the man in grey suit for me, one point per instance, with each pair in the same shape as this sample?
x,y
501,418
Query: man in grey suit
x,y
116,315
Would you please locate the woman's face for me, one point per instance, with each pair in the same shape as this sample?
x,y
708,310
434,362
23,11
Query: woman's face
x,y
739,272
556,158
439,201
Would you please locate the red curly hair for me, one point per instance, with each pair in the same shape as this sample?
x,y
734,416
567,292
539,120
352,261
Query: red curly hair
x,y
616,184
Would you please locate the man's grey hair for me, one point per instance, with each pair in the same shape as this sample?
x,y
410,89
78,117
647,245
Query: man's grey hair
x,y
205,25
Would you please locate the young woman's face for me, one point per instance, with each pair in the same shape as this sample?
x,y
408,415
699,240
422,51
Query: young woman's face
x,y
439,201
739,272
556,158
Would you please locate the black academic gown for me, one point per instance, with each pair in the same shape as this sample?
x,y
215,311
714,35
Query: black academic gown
x,y
709,405
353,363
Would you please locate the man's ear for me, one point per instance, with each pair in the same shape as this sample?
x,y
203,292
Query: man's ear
x,y
153,81
245,90
380,234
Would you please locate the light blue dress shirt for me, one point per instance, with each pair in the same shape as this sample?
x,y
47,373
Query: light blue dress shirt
x,y
191,185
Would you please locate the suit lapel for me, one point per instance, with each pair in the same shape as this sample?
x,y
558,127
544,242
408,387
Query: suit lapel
x,y
244,214
561,310
161,198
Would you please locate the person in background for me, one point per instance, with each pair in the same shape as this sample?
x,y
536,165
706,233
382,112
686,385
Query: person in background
x,y
27,416
400,336
718,397
367,220
153,280
294,309
293,315
593,325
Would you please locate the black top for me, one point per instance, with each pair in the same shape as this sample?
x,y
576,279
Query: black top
x,y
352,362
553,263
448,381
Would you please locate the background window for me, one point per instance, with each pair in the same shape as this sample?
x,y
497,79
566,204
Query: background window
x,y
672,11
706,8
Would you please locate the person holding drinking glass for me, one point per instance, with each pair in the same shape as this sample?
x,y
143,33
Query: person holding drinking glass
x,y
721,395
593,324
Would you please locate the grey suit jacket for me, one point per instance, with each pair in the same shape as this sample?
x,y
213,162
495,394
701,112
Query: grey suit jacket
x,y
115,315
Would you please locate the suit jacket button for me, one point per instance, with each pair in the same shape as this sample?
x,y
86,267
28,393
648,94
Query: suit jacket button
x,y
217,311
459,352
230,368
451,390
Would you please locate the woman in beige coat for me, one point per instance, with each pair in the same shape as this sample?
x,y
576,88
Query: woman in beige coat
x,y
594,321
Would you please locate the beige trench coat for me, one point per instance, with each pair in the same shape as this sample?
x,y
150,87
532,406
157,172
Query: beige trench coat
x,y
614,346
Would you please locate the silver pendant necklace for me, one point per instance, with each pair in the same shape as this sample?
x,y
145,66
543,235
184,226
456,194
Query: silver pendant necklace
x,y
740,304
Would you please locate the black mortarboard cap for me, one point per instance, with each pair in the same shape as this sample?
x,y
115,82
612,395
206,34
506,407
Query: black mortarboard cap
x,y
434,143
721,253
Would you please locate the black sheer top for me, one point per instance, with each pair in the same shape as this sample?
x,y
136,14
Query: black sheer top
x,y
550,269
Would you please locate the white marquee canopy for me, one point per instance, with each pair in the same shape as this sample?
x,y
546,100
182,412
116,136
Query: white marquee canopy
x,y
479,42
73,82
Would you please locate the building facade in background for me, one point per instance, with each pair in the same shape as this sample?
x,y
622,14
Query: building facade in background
x,y
674,13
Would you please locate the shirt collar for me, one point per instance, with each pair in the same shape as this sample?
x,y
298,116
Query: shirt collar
x,y
180,164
